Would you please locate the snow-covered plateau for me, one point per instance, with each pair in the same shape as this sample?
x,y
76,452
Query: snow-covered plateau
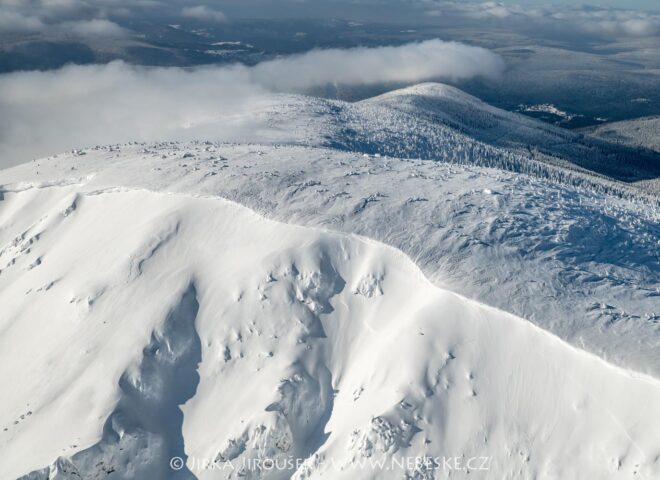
x,y
393,289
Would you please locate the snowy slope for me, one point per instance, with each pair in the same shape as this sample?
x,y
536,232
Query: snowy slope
x,y
583,265
437,122
449,106
640,132
300,296
429,121
279,342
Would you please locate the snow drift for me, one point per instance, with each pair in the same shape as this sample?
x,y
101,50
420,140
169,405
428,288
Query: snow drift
x,y
311,306
277,342
581,264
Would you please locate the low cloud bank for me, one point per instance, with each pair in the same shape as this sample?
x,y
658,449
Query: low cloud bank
x,y
363,66
547,19
79,18
204,13
45,16
77,106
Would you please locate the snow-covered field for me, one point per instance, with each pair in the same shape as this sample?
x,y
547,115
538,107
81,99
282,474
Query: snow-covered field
x,y
346,314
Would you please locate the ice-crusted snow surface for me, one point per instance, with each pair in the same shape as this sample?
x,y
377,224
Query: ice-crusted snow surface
x,y
140,325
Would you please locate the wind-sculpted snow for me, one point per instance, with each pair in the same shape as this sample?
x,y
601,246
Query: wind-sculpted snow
x,y
247,348
152,326
580,264
143,432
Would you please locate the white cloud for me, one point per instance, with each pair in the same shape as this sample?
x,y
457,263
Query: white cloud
x,y
410,63
204,13
81,18
92,28
613,22
12,22
50,9
48,112
554,18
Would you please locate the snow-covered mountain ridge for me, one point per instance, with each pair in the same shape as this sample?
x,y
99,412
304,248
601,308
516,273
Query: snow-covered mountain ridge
x,y
532,139
437,122
320,304
279,342
583,265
